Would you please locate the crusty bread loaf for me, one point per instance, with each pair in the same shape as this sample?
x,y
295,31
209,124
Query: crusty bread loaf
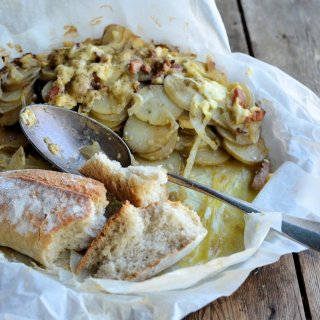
x,y
44,212
137,243
138,184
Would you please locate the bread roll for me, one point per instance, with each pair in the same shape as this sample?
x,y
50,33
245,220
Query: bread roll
x,y
137,243
138,184
44,212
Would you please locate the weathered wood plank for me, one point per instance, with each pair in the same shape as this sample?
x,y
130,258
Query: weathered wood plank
x,y
269,293
286,33
310,267
232,21
291,28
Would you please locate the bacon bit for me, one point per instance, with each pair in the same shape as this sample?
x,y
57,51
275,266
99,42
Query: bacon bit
x,y
146,68
238,93
151,53
53,93
258,115
166,66
95,81
261,175
241,131
158,77
176,67
135,66
4,70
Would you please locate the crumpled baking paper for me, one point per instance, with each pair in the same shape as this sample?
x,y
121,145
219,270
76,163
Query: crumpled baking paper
x,y
292,134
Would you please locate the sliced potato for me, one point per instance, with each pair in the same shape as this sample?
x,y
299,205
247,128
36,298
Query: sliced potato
x,y
235,138
155,108
10,100
107,105
143,137
21,78
117,37
184,142
184,121
207,157
250,154
47,74
172,164
114,125
11,116
254,129
18,160
218,118
180,90
164,152
121,116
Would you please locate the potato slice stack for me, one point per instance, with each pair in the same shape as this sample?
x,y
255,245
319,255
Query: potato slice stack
x,y
151,130
16,89
167,105
231,111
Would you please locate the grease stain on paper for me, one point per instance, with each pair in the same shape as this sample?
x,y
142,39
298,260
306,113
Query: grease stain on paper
x,y
17,47
96,21
156,21
70,31
108,6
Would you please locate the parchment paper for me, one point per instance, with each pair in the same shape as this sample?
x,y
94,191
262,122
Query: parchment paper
x,y
291,131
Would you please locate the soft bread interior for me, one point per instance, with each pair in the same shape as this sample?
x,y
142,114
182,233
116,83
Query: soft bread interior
x,y
138,184
77,236
137,243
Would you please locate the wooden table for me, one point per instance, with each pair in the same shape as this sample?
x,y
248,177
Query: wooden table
x,y
285,33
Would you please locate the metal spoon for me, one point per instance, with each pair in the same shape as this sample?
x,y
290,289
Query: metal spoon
x,y
71,131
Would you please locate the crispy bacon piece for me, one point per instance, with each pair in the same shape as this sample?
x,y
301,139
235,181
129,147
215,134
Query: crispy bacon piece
x,y
261,175
176,67
95,83
238,93
258,115
166,66
53,93
135,66
146,68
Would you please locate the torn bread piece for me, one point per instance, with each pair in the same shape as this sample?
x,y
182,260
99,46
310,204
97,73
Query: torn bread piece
x,y
137,243
138,184
42,212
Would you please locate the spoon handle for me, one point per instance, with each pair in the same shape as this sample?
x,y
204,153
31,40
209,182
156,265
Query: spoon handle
x,y
306,232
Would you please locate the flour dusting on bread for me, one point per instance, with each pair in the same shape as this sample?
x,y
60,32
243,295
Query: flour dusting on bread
x,y
44,212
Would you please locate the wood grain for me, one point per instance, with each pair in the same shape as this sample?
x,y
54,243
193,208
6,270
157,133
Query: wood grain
x,y
232,20
286,33
269,293
310,267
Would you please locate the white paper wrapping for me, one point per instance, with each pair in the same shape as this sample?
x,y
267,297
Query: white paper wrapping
x,y
291,131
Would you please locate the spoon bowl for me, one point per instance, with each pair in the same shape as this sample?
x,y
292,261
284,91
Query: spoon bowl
x,y
70,131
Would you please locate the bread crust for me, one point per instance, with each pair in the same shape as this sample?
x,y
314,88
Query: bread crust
x,y
38,206
125,183
82,185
